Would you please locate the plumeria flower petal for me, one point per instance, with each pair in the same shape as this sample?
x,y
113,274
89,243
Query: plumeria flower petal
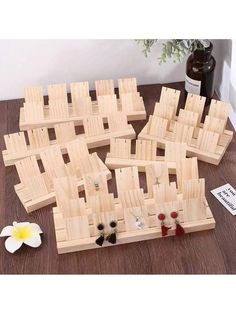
x,y
19,233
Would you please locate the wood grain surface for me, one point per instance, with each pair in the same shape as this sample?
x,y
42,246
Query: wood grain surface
x,y
208,252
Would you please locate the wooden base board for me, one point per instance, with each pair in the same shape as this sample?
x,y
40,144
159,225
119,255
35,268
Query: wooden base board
x,y
32,205
78,120
114,163
193,151
124,237
92,142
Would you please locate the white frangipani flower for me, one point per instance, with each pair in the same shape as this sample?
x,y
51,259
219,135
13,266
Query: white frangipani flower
x,y
19,233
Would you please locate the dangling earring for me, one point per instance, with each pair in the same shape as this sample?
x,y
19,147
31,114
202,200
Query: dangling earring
x,y
179,229
164,229
101,238
112,236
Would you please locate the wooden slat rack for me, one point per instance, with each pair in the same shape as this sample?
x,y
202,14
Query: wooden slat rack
x,y
207,141
35,114
95,135
36,188
76,219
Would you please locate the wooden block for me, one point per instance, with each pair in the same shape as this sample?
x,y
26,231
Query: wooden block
x,y
107,104
183,133
104,87
207,140
77,227
33,112
194,209
170,97
101,202
156,174
127,85
27,168
164,110
145,150
132,198
93,126
34,94
58,109
65,132
214,124
186,169
157,126
219,109
120,148
131,102
117,122
79,90
82,107
38,138
57,92
77,150
175,151
36,186
165,192
194,188
195,103
15,142
188,117
127,179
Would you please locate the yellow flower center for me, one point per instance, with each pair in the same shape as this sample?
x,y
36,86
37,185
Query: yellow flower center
x,y
22,233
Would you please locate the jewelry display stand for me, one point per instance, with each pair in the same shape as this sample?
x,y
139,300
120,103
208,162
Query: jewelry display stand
x,y
145,154
36,188
207,141
35,113
95,135
135,214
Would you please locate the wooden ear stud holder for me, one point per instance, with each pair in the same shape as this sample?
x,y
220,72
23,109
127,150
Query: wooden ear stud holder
x,y
103,220
95,135
36,189
35,114
145,154
207,141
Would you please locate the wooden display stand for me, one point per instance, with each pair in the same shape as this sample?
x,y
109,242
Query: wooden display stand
x,y
36,189
145,154
76,220
35,113
95,135
207,141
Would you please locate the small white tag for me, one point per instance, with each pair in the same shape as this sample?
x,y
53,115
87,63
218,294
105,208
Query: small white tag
x,y
226,194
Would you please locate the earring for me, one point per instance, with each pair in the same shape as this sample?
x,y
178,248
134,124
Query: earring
x,y
96,185
101,238
179,229
112,236
164,229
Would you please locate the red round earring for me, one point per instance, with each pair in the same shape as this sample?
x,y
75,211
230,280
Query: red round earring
x,y
164,229
179,229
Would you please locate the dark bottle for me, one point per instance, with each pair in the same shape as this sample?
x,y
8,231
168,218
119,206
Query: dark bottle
x,y
200,73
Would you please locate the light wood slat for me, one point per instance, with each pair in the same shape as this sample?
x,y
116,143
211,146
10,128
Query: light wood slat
x,y
117,122
77,149
165,192
157,126
104,87
93,126
131,102
170,97
101,202
214,124
34,94
156,174
127,85
127,179
219,109
38,138
186,169
95,183
145,150
207,140
65,132
79,90
107,104
195,103
77,227
194,188
188,117
15,142
33,112
183,133
164,111
58,109
36,186
194,210
57,92
82,106
175,151
120,148
52,161
27,168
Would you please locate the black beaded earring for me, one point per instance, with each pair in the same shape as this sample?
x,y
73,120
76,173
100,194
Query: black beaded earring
x,y
112,236
101,238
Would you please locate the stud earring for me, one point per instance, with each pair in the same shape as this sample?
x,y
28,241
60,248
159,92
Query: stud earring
x,y
96,185
179,229
112,236
101,238
164,229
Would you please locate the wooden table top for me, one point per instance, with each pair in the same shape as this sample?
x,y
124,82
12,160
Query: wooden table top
x,y
207,252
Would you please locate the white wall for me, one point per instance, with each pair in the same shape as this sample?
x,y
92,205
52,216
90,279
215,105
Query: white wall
x,y
232,90
42,62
